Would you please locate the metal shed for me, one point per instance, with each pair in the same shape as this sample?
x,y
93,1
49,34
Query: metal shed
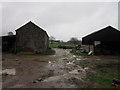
x,y
104,41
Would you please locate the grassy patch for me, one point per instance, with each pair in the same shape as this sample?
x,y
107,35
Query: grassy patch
x,y
78,53
57,44
48,52
69,45
54,45
104,77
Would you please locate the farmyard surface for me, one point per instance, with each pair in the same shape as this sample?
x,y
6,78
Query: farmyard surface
x,y
62,70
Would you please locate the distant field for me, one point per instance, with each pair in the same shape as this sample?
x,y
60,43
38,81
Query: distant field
x,y
56,44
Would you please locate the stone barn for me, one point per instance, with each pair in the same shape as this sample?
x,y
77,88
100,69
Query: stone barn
x,y
29,38
8,43
105,41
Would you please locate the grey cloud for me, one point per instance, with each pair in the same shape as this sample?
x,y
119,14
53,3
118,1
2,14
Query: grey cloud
x,y
62,20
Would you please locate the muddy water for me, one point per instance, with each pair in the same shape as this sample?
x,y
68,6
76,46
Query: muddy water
x,y
58,71
64,70
62,52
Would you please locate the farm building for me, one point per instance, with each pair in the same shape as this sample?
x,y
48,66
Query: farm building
x,y
105,41
8,42
28,38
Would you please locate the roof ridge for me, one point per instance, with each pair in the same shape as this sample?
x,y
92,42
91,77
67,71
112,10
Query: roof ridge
x,y
105,28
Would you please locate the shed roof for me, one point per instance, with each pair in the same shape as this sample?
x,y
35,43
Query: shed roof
x,y
107,34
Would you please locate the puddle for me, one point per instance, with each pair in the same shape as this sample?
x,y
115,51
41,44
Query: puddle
x,y
49,62
9,71
74,72
64,69
86,68
53,78
70,63
78,59
74,56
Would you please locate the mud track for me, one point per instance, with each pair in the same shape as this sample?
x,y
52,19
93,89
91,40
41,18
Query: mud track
x,y
62,70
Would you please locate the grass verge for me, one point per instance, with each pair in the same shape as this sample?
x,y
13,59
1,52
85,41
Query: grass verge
x,y
54,45
48,52
104,77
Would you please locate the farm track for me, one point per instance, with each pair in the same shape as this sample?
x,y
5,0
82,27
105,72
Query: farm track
x,y
62,70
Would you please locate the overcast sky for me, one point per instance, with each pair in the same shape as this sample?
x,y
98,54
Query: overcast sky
x,y
62,20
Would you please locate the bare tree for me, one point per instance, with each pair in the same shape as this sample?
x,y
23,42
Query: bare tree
x,y
52,39
74,40
10,33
